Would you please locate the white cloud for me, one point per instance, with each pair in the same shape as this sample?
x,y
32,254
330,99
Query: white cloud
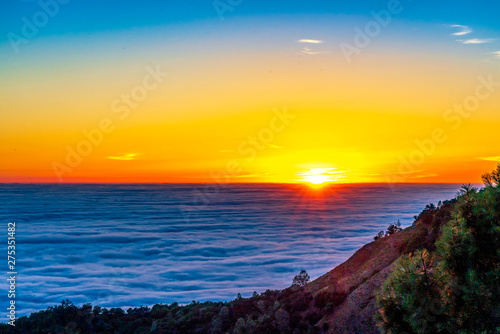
x,y
309,51
464,30
496,53
311,41
476,41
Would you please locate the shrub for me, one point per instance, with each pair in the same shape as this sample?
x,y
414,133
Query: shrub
x,y
301,279
393,228
325,297
379,235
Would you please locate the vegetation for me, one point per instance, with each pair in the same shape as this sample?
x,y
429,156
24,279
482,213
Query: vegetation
x,y
454,289
301,279
271,312
393,228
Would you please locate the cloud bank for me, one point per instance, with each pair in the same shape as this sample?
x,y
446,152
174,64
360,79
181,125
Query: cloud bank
x,y
129,245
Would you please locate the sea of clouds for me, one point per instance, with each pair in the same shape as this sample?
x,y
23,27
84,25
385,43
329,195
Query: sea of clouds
x,y
133,245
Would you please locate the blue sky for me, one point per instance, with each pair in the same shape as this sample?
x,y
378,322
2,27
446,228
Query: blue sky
x,y
92,16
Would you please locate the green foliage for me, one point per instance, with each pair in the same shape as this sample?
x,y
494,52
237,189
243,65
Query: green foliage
x,y
492,179
410,300
455,289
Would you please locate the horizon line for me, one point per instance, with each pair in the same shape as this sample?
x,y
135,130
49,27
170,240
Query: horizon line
x,y
238,183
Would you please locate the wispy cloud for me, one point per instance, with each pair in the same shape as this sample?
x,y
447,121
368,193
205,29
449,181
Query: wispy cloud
x,y
309,51
422,176
490,158
413,172
476,41
496,53
311,41
125,157
464,30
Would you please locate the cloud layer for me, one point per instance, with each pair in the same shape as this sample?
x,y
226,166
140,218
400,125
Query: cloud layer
x,y
129,245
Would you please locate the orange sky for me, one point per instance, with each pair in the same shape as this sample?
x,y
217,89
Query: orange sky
x,y
249,106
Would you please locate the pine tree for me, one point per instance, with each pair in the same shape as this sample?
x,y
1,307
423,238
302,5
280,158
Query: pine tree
x,y
456,289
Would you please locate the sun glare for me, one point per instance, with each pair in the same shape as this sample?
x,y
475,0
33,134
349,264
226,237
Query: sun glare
x,y
318,176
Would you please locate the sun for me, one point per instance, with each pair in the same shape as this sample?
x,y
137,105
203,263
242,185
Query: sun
x,y
317,176
317,179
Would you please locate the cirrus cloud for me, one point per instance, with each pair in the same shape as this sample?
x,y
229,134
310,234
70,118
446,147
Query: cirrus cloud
x,y
125,157
464,30
490,158
477,41
310,41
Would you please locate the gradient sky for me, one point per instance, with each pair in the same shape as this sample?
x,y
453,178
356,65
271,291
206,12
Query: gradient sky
x,y
393,111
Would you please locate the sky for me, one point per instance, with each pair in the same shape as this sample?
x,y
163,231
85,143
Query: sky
x,y
249,91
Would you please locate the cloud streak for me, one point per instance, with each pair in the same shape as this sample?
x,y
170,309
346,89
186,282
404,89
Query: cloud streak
x,y
490,158
464,30
125,157
310,41
309,51
477,40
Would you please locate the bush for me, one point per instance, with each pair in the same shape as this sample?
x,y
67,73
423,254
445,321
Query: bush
x,y
393,228
325,297
301,279
379,235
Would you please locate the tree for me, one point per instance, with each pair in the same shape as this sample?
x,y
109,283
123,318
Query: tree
x,y
410,299
455,289
492,179
379,235
301,279
393,228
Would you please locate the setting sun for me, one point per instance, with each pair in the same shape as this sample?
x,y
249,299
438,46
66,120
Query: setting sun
x,y
319,176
